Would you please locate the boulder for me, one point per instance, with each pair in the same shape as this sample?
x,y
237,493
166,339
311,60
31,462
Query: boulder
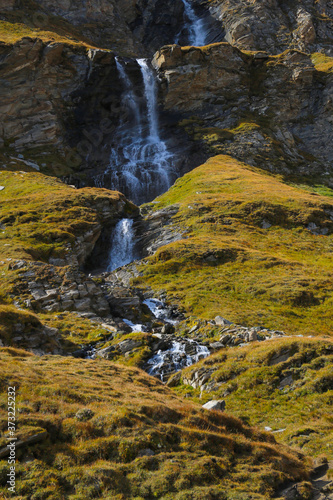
x,y
106,353
219,321
215,404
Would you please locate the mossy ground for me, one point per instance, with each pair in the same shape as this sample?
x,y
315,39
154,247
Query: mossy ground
x,y
228,264
251,379
100,417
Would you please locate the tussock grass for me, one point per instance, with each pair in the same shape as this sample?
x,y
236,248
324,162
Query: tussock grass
x,y
101,417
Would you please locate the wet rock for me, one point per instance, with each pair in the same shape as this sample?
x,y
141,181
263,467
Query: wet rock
x,y
168,329
215,405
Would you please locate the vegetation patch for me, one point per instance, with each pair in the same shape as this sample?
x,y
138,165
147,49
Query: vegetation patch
x,y
322,62
285,385
256,250
107,431
41,217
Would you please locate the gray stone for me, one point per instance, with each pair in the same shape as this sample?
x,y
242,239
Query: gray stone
x,y
168,329
128,345
147,452
219,321
82,305
279,358
215,346
105,353
215,405
67,305
252,336
286,381
225,339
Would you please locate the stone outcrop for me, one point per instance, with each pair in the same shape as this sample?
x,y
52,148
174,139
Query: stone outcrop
x,y
133,27
38,340
283,99
48,288
273,26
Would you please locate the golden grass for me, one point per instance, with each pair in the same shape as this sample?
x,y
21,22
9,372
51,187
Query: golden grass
x,y
251,382
13,32
42,217
100,417
322,62
227,264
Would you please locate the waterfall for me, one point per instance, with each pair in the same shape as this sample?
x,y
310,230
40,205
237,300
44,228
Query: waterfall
x,y
194,26
151,98
122,245
140,164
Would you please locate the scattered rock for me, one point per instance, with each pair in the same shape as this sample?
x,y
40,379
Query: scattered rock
x,y
106,353
215,405
84,414
219,321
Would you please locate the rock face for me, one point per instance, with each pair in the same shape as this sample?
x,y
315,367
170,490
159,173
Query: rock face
x,y
51,289
224,88
274,26
40,78
139,27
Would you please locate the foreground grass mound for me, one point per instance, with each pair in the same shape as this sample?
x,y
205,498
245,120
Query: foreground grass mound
x,y
285,385
255,250
101,430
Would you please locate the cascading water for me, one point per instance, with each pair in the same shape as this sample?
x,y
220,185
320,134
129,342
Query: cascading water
x,y
122,245
140,163
181,354
194,26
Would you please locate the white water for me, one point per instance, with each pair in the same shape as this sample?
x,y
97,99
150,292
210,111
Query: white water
x,y
176,358
159,310
195,26
135,327
140,164
122,245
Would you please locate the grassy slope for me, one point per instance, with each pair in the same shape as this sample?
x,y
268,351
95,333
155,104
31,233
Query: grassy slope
x,y
228,264
11,32
252,387
197,454
42,216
